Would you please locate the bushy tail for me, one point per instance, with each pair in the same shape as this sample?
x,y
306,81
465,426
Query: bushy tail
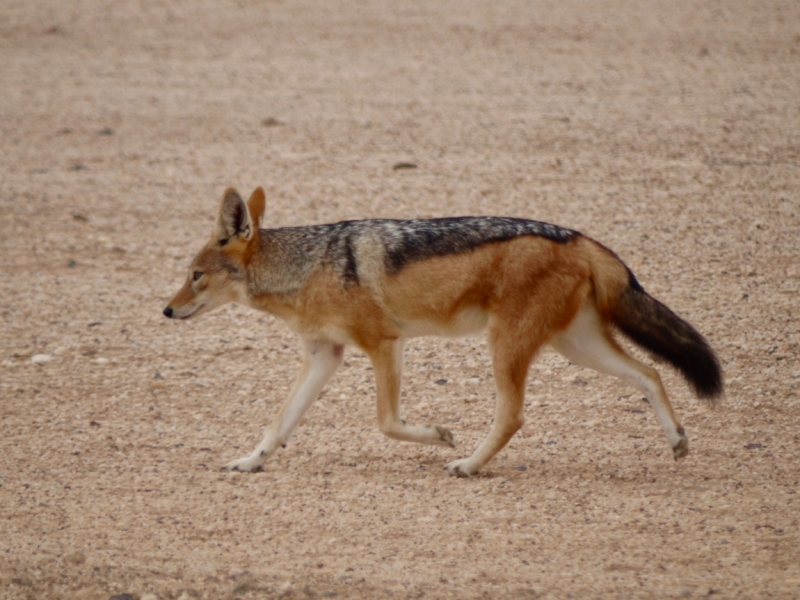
x,y
652,325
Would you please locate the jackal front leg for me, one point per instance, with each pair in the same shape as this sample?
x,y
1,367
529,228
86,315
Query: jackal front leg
x,y
321,361
387,361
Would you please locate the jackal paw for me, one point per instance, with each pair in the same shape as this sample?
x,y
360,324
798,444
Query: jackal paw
x,y
460,468
681,449
248,464
445,436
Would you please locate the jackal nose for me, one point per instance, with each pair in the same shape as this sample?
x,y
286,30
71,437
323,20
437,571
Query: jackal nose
x,y
168,312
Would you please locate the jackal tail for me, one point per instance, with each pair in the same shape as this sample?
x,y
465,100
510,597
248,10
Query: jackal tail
x,y
653,326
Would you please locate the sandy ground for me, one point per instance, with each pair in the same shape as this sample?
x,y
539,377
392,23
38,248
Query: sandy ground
x,y
668,130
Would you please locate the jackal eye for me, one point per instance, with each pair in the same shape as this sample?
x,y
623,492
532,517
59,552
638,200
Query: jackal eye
x,y
197,275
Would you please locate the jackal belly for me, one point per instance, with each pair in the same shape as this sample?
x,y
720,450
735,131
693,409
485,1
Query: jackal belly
x,y
469,321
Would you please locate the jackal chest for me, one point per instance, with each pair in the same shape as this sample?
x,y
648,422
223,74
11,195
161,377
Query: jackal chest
x,y
333,314
333,332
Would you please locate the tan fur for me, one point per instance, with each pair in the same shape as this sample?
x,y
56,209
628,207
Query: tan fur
x,y
527,292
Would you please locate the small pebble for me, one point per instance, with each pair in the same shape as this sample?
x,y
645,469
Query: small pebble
x,y
39,359
76,558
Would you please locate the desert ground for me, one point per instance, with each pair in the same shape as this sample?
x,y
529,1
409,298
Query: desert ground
x,y
670,131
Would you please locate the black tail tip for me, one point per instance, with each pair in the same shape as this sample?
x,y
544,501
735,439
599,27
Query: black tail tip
x,y
706,379
168,312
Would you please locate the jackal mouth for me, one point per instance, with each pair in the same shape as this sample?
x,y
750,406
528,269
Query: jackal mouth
x,y
172,314
193,313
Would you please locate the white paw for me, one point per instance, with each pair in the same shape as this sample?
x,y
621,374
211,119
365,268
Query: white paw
x,y
248,464
445,436
460,468
681,449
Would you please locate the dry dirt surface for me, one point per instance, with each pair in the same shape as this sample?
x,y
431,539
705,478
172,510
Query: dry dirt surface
x,y
670,131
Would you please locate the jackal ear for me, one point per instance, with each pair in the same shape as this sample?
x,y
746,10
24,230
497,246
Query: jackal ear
x,y
255,205
233,221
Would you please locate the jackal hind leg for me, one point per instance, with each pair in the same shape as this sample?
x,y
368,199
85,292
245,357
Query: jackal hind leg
x,y
510,364
387,361
588,342
321,361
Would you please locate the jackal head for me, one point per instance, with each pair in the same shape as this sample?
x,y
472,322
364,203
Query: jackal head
x,y
217,274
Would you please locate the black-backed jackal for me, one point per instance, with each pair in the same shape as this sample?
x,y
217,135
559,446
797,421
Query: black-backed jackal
x,y
375,283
